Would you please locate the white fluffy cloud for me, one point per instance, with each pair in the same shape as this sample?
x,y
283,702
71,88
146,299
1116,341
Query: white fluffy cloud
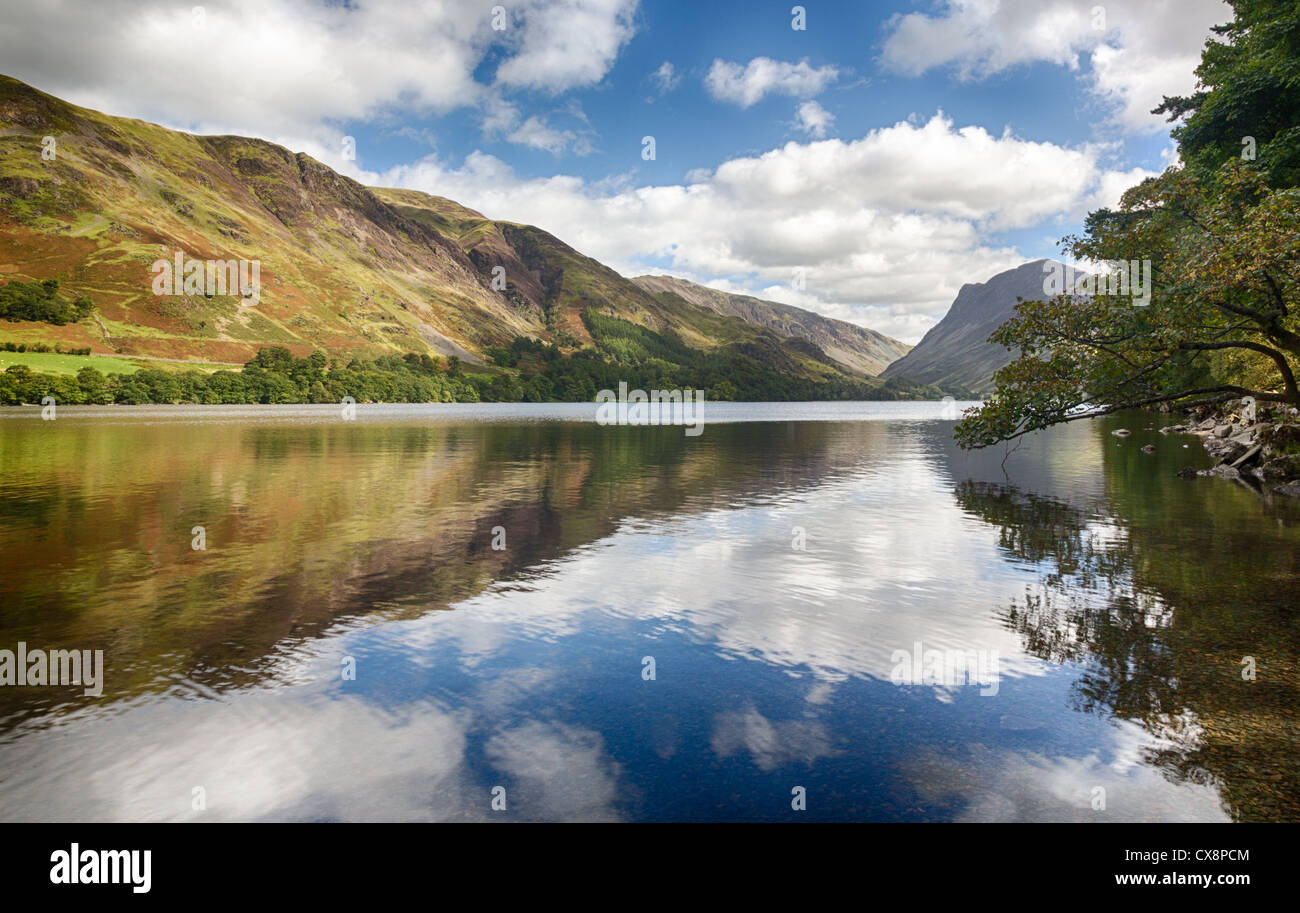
x,y
535,133
285,68
747,85
568,43
1139,50
886,227
665,78
813,119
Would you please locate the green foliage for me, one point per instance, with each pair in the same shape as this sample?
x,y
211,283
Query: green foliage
x,y
725,391
627,353
40,301
1250,87
522,348
274,375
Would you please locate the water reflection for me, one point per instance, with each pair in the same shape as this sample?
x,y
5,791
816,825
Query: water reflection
x,y
1114,600
1117,607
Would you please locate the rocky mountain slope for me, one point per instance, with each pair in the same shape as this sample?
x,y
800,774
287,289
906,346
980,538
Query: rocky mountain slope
x,y
856,348
344,268
956,351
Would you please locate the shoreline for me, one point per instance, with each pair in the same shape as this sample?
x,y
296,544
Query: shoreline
x,y
1257,446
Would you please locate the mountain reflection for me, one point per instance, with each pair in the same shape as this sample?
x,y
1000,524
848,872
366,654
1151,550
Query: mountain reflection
x,y
310,526
771,569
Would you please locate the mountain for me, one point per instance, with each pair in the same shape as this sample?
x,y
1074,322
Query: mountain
x,y
344,268
855,348
956,350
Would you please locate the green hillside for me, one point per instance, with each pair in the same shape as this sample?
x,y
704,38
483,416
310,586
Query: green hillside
x,y
352,272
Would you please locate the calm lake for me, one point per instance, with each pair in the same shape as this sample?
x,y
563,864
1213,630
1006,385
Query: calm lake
x,y
413,614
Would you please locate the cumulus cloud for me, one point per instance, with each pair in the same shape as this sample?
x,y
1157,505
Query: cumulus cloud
x,y
259,755
286,68
1138,50
535,133
886,227
997,784
568,43
747,85
564,771
986,38
498,115
813,119
665,78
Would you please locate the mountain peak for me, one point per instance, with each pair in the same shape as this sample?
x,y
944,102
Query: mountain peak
x,y
956,350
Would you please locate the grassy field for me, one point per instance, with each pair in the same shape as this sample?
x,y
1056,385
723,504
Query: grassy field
x,y
51,363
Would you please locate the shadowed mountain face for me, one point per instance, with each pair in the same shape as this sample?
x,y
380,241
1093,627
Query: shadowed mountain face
x,y
956,351
855,348
343,267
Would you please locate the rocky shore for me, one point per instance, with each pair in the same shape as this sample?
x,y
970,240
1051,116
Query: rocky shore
x,y
1256,444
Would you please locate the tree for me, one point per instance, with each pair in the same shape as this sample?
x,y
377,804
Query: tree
x,y
40,301
273,358
1222,235
94,386
724,390
503,389
1248,103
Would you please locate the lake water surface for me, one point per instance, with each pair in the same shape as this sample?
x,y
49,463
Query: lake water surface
x,y
676,628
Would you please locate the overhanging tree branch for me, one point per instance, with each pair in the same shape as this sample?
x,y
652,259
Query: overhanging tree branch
x,y
1288,378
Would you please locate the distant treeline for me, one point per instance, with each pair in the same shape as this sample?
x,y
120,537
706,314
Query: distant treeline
x,y
273,376
276,376
526,371
40,347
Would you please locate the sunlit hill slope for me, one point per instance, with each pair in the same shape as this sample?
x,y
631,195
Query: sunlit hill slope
x,y
344,268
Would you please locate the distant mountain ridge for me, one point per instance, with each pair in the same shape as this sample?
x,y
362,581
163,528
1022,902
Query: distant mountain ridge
x,y
856,348
344,268
956,350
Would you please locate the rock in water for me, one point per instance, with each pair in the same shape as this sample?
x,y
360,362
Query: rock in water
x,y
1228,451
1148,448
1187,472
1121,432
1280,439
1223,471
1247,456
1283,468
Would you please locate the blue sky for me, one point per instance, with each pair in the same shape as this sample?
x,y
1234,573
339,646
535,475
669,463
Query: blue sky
x,y
1040,102
864,167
